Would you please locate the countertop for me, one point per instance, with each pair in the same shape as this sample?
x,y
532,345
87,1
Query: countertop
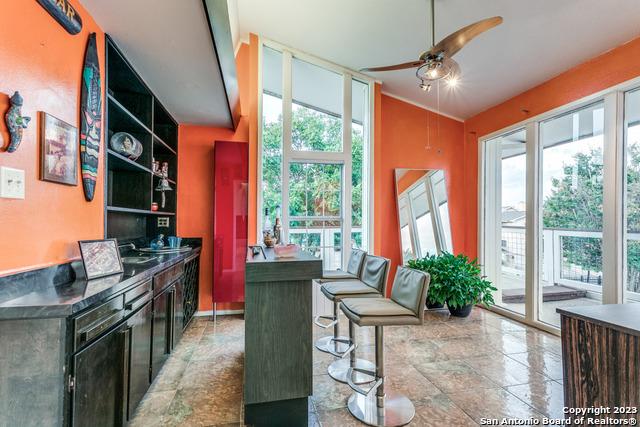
x,y
266,267
39,294
622,317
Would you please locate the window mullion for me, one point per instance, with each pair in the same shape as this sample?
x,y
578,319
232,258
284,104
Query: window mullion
x,y
612,210
286,139
346,211
533,234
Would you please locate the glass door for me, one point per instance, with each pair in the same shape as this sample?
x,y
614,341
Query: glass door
x,y
572,146
505,218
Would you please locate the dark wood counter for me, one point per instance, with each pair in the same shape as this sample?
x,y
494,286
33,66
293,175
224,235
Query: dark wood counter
x,y
278,364
601,357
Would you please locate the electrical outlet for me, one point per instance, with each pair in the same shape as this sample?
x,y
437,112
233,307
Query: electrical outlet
x,y
11,183
163,221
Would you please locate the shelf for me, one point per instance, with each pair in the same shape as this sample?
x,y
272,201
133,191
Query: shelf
x,y
164,145
131,118
138,211
120,162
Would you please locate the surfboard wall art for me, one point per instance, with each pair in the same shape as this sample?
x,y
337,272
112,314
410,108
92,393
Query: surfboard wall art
x,y
90,118
64,13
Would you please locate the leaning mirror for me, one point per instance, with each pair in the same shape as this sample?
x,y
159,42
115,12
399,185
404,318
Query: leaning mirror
x,y
423,212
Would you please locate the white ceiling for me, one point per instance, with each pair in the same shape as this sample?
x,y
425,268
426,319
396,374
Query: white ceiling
x,y
538,40
169,44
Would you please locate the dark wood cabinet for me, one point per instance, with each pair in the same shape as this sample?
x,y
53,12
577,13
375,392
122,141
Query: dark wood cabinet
x,y
178,312
162,325
99,381
139,356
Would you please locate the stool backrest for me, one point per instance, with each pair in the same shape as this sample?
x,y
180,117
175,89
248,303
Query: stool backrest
x,y
375,272
410,289
356,261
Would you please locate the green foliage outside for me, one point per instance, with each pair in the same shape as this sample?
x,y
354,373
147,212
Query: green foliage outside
x,y
576,203
314,189
455,280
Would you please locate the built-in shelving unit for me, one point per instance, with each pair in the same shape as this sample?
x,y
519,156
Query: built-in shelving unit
x,y
130,185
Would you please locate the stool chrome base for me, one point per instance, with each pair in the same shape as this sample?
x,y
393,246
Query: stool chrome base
x,y
327,345
338,371
398,409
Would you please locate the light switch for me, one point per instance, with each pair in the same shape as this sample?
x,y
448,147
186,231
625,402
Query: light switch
x,y
11,183
163,221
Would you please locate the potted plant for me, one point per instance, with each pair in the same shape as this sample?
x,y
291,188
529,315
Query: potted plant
x,y
456,281
427,264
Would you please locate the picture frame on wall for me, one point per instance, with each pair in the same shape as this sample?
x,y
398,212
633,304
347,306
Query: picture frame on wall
x,y
58,150
100,258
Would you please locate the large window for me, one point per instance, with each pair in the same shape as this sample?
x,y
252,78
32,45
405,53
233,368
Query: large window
x,y
315,152
560,208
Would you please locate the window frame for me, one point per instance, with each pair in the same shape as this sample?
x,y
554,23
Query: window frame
x,y
345,157
614,233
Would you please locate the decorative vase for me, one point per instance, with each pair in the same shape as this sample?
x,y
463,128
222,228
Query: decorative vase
x,y
463,311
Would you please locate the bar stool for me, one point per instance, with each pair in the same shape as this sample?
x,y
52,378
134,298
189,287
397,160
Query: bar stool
x,y
354,268
376,406
372,284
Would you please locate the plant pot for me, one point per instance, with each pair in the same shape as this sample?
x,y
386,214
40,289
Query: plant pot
x,y
434,305
463,311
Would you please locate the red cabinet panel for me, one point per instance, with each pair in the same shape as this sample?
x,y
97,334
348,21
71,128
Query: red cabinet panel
x,y
230,215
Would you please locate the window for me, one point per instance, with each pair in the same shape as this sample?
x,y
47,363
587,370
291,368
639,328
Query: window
x,y
572,194
577,172
315,152
505,212
632,196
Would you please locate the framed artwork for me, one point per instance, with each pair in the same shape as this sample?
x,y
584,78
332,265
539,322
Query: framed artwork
x,y
59,150
100,257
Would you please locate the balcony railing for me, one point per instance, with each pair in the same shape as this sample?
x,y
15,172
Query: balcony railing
x,y
569,257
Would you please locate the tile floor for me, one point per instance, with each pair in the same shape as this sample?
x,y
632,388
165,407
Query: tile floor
x,y
456,371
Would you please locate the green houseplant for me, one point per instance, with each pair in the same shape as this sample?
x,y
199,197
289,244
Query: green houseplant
x,y
456,281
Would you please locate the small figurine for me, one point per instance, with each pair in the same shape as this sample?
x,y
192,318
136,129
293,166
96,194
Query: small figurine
x,y
16,122
158,242
165,169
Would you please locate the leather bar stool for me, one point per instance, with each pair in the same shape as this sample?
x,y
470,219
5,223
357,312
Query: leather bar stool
x,y
372,284
377,406
354,269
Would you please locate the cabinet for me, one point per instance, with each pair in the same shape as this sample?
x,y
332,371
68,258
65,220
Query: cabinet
x,y
139,358
178,312
162,325
99,381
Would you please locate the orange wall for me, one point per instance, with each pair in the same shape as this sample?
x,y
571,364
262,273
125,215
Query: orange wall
x,y
405,130
195,172
42,61
609,69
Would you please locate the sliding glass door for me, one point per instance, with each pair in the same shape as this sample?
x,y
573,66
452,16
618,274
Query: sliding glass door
x,y
572,197
505,218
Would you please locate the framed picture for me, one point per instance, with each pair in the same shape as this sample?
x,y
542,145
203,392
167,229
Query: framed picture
x,y
100,257
59,150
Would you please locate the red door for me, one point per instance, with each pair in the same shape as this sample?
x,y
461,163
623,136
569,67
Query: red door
x,y
230,227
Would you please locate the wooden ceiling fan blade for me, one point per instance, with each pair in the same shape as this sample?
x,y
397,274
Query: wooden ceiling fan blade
x,y
451,44
403,66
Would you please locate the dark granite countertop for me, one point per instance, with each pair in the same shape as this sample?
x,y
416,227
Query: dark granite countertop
x,y
44,293
622,317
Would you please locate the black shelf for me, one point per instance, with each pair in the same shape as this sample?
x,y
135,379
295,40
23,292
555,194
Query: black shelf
x,y
130,184
122,163
139,211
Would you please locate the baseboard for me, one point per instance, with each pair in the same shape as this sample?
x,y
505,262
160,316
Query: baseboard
x,y
218,312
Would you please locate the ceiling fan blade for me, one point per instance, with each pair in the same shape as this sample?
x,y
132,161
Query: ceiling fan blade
x,y
411,64
451,44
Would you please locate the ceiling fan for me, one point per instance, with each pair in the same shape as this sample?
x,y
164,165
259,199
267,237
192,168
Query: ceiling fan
x,y
437,63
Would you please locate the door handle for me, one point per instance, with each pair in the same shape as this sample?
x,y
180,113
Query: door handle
x,y
126,362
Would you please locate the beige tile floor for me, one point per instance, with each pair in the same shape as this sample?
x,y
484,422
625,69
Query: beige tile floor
x,y
456,371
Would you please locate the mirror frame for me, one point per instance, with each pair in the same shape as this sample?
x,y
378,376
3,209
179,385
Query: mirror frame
x,y
439,236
